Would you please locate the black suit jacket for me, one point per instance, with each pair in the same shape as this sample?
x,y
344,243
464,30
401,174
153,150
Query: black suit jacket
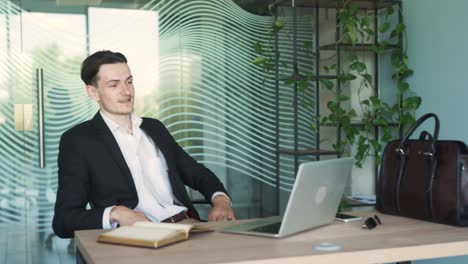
x,y
91,168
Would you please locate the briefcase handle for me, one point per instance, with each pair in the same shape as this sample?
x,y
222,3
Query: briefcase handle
x,y
418,122
430,155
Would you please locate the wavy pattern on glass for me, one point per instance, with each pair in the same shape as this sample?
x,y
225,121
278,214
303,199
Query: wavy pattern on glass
x,y
216,103
27,192
217,109
208,80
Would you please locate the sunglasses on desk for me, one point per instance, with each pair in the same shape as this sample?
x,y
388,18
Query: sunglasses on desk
x,y
371,222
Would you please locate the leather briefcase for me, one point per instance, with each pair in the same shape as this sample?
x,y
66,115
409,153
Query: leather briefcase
x,y
425,178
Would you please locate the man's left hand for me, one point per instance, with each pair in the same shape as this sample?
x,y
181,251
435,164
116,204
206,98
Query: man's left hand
x,y
221,210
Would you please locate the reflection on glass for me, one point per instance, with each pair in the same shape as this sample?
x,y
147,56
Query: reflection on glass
x,y
192,69
111,29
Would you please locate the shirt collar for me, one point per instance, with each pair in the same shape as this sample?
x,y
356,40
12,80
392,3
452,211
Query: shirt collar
x,y
113,126
136,121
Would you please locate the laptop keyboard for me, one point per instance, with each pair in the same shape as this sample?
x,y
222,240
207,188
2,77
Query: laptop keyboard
x,y
270,228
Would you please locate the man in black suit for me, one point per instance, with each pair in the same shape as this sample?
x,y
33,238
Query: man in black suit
x,y
127,168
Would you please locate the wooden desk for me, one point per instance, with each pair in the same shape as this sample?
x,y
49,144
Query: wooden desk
x,y
397,239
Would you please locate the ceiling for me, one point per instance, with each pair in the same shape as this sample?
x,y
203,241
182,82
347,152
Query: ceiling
x,y
75,6
259,7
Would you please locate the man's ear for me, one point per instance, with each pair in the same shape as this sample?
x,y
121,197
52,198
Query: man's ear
x,y
92,92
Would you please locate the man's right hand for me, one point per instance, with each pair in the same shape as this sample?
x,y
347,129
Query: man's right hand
x,y
125,216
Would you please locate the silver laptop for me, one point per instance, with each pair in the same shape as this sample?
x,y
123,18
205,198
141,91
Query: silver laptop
x,y
314,200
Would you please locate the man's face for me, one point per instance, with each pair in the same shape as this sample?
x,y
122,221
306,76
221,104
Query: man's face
x,y
114,91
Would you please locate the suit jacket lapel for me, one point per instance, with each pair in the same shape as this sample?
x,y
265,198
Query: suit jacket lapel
x,y
109,141
155,135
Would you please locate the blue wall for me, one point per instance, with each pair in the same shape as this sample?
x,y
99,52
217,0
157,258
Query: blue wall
x,y
438,53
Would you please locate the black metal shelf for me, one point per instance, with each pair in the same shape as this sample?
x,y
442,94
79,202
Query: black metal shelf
x,y
351,47
356,124
299,77
362,4
317,6
305,152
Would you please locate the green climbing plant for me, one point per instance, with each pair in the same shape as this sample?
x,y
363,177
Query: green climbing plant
x,y
375,113
356,26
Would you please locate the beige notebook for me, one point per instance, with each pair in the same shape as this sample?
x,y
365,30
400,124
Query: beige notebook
x,y
152,235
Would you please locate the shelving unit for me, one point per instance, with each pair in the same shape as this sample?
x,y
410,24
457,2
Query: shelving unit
x,y
317,151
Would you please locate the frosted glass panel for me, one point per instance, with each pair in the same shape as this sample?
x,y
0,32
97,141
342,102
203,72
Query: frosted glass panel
x,y
56,43
135,34
193,70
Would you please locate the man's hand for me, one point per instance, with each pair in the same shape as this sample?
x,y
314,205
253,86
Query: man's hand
x,y
221,210
126,216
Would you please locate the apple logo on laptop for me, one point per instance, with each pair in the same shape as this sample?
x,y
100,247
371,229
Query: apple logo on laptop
x,y
320,195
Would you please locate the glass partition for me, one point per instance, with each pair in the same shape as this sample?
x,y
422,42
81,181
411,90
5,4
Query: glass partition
x,y
193,70
41,97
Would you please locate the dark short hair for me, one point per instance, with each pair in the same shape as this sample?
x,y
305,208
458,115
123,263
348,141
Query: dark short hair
x,y
91,65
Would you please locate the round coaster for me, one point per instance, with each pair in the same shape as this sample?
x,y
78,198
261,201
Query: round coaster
x,y
326,246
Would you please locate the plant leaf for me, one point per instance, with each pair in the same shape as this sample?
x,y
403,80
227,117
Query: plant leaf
x,y
369,31
347,77
278,25
259,60
353,9
366,21
377,49
342,98
267,67
365,102
270,8
327,84
358,66
412,102
352,37
289,80
389,10
403,87
379,121
384,27
332,105
375,100
258,48
400,27
302,85
367,77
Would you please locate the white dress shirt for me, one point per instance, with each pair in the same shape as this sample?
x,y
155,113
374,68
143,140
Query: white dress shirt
x,y
149,171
